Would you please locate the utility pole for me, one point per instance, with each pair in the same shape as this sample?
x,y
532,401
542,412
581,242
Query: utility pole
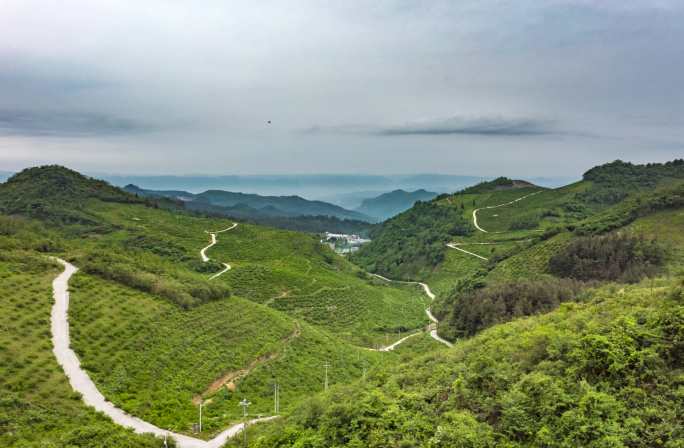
x,y
245,404
200,416
326,365
276,398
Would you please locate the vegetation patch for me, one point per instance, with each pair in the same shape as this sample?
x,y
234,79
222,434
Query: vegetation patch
x,y
476,310
412,241
619,257
602,373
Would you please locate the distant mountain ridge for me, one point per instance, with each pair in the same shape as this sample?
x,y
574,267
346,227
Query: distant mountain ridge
x,y
252,205
389,204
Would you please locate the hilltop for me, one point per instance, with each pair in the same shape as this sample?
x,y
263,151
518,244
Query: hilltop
x,y
57,193
389,204
500,183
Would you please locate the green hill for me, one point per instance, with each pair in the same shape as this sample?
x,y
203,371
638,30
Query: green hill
x,y
155,331
605,372
564,305
568,333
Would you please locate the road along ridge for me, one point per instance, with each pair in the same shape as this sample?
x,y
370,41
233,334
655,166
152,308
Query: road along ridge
x,y
81,382
497,206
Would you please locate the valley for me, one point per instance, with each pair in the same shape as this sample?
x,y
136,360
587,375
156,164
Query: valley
x,y
394,224
170,312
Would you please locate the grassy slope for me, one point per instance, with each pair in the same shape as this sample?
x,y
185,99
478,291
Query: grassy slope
x,y
37,406
288,271
151,358
607,372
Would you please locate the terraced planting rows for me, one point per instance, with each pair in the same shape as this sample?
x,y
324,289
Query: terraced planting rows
x,y
288,271
37,405
152,359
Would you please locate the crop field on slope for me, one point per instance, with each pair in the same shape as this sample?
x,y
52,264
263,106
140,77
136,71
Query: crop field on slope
x,y
531,261
37,406
601,373
667,227
152,359
288,271
456,265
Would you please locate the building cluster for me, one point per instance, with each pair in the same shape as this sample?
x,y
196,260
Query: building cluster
x,y
343,243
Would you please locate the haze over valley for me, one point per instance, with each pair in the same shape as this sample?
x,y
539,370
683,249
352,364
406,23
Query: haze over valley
x,y
396,224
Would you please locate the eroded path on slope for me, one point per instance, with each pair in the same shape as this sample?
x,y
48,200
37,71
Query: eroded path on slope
x,y
477,226
214,240
230,379
81,382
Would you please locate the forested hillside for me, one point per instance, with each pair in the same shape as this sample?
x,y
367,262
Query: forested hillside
x,y
413,241
567,333
245,205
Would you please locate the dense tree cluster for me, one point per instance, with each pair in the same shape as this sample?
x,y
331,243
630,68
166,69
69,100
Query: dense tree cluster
x,y
612,182
412,240
640,204
476,310
618,257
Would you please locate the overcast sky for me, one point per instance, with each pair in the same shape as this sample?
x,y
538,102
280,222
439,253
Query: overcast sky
x,y
522,88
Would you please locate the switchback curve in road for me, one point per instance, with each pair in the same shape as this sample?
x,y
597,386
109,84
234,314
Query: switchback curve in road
x,y
203,251
433,319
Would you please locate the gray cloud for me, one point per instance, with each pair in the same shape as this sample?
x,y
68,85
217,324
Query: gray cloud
x,y
483,126
65,123
529,87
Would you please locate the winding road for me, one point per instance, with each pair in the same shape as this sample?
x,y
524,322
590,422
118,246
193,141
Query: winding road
x,y
477,226
214,240
81,382
433,329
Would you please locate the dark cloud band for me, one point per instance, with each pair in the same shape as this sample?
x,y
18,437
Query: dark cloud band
x,y
507,127
63,123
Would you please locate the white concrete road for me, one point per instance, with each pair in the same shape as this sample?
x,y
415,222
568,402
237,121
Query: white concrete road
x,y
81,382
497,206
203,251
431,295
